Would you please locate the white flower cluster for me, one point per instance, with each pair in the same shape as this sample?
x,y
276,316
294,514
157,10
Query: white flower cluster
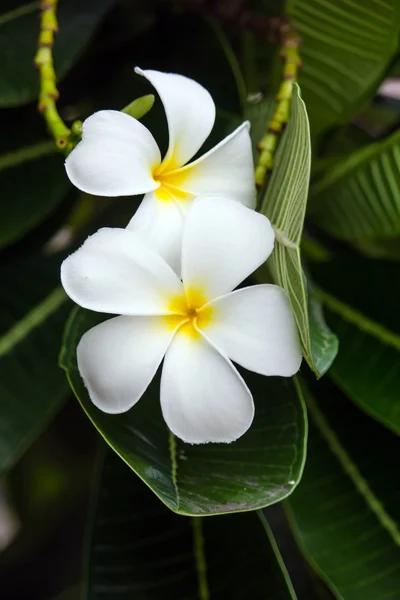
x,y
170,274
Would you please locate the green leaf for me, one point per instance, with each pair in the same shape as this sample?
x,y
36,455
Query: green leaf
x,y
32,386
346,48
33,183
388,248
324,343
139,549
359,199
361,302
19,33
345,512
259,469
284,203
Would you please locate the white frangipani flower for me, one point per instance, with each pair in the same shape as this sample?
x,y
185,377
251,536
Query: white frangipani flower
x,y
118,156
197,325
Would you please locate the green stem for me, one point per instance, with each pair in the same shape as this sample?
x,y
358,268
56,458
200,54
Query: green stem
x,y
44,62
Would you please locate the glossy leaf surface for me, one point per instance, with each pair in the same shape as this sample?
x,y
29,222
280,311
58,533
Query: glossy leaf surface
x,y
259,469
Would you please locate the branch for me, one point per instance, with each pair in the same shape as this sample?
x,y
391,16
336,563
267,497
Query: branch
x,y
269,142
44,62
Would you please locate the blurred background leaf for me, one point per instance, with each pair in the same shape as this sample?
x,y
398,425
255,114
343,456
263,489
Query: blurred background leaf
x,y
32,387
33,184
347,47
345,513
19,33
359,199
139,548
361,302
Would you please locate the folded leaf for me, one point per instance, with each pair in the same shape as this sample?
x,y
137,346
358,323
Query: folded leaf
x,y
284,203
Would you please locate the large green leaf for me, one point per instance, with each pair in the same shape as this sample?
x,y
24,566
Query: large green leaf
x,y
139,549
361,301
33,182
346,48
19,33
346,512
32,386
284,203
359,199
259,469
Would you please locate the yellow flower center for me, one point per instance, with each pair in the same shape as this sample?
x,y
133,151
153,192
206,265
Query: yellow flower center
x,y
170,182
190,312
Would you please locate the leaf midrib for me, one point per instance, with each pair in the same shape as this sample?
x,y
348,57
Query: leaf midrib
x,y
355,317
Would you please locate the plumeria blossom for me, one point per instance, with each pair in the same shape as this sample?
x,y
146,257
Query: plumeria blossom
x,y
118,156
198,325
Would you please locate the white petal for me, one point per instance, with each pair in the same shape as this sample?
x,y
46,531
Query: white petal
x,y
114,272
203,397
227,169
115,157
190,114
255,327
118,359
223,243
159,223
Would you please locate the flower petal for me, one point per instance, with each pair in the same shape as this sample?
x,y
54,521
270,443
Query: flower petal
x,y
223,243
115,157
118,359
114,272
255,327
190,112
203,397
159,223
227,169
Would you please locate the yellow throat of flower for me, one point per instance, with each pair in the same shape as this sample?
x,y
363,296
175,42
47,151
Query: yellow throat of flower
x,y
190,312
171,182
